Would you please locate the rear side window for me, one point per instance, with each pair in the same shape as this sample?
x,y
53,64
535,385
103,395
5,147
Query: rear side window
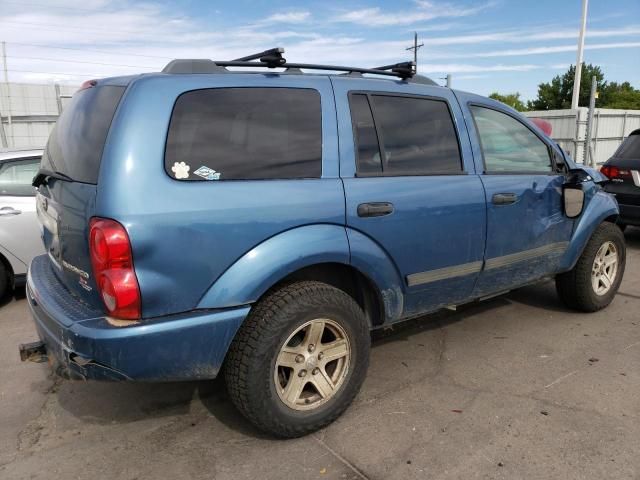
x,y
76,143
16,177
508,145
410,135
245,133
630,148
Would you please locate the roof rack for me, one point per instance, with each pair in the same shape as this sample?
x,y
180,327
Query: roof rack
x,y
273,58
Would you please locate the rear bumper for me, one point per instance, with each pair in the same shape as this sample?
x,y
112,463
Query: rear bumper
x,y
84,344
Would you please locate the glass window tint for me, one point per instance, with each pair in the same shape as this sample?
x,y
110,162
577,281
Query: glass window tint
x,y
630,148
508,145
368,150
76,143
245,133
418,135
16,177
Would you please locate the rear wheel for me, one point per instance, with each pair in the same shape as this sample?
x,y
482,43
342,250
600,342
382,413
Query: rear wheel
x,y
595,279
4,280
299,359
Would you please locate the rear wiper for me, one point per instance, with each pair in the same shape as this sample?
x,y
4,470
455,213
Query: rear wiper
x,y
44,173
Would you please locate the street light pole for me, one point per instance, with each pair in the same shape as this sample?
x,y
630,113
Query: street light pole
x,y
578,71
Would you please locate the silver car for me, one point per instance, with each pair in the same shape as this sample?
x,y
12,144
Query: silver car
x,y
19,229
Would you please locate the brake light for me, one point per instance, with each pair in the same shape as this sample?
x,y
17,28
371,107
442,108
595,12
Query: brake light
x,y
611,171
112,262
88,84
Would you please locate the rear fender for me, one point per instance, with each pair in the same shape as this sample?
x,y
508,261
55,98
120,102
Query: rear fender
x,y
373,261
599,206
272,260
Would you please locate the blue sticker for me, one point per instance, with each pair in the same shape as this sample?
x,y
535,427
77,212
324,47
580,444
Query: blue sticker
x,y
207,173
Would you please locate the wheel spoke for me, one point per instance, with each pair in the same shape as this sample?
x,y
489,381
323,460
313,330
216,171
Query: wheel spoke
x,y
610,260
294,388
287,357
323,383
334,350
595,282
314,333
605,280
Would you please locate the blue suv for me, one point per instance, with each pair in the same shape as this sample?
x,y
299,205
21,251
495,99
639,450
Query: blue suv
x,y
261,223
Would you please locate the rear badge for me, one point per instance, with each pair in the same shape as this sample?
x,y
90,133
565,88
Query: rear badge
x,y
208,173
83,283
180,170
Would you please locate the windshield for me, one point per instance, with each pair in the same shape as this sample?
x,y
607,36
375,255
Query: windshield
x,y
630,148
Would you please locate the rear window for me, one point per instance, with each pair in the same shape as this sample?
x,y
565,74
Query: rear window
x,y
76,143
400,135
16,176
245,133
630,148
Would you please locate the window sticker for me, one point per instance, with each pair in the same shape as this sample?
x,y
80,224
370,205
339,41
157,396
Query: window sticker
x,y
180,170
207,173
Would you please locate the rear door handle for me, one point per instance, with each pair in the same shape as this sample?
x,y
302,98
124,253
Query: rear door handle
x,y
504,198
8,211
375,209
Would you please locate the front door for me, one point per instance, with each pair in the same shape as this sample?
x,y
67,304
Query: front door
x,y
527,231
409,189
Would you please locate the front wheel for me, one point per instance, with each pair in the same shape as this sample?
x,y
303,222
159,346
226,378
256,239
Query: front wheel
x,y
597,275
299,359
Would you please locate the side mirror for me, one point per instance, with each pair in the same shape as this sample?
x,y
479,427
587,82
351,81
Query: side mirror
x,y
573,200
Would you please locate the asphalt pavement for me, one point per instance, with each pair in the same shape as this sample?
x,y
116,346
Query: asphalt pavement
x,y
514,387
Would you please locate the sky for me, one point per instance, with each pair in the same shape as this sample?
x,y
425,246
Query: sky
x,y
486,45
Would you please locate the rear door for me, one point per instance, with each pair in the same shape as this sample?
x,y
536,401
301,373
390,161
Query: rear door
x,y
19,231
66,204
410,186
527,231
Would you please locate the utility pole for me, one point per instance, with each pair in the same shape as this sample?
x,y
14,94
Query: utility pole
x,y
578,72
415,48
6,81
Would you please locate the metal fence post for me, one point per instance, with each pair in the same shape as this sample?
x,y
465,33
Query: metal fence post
x,y
588,158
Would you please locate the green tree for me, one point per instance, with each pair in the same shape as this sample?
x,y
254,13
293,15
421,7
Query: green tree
x,y
619,95
557,93
511,99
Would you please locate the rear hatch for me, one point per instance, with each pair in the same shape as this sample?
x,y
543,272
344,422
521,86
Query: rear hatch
x,y
66,197
623,169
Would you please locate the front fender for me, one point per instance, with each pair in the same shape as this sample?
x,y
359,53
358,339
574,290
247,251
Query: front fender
x,y
599,206
272,260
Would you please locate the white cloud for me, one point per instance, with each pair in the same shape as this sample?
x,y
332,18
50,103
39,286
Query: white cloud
x,y
289,17
424,10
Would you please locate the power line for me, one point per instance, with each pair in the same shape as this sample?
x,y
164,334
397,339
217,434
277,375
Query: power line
x,y
59,73
59,28
79,61
21,4
87,50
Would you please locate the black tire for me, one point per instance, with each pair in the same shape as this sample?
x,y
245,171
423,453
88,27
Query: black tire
x,y
250,363
575,287
4,280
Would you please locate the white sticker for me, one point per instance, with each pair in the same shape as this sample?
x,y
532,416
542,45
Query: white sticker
x,y
180,170
208,173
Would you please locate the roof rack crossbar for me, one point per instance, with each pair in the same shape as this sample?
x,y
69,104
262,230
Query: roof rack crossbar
x,y
402,69
272,57
310,66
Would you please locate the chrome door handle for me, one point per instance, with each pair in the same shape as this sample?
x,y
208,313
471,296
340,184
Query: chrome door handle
x,y
504,198
8,211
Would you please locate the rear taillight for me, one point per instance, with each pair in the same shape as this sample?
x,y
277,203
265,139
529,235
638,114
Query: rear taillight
x,y
112,262
87,84
611,172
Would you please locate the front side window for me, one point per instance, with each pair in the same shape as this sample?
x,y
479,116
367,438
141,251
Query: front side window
x,y
245,133
16,177
415,136
508,145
